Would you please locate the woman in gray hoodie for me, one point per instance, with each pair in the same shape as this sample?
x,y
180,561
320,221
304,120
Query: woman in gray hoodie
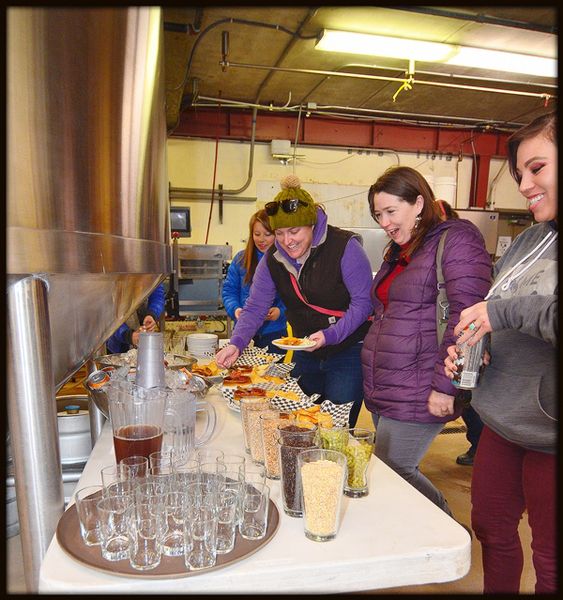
x,y
515,464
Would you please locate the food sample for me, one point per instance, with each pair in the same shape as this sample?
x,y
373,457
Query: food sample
x,y
322,490
269,423
293,440
291,341
208,370
358,454
334,438
236,378
313,415
252,391
286,394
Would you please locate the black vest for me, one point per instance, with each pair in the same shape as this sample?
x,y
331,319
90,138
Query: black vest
x,y
321,284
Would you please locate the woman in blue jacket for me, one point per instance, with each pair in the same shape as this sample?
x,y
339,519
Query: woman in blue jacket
x,y
236,287
145,317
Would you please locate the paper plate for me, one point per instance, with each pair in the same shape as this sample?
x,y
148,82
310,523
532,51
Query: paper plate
x,y
304,344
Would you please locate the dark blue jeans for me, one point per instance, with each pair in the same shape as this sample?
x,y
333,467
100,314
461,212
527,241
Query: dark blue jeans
x,y
338,378
265,340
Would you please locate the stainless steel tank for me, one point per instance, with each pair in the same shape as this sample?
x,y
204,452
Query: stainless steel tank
x,y
88,228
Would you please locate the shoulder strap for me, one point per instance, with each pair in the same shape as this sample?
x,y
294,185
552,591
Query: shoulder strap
x,y
442,303
324,311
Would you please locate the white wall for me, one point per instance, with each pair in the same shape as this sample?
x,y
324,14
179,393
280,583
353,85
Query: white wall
x,y
334,176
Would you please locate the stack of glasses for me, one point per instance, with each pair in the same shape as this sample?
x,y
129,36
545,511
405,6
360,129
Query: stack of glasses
x,y
169,506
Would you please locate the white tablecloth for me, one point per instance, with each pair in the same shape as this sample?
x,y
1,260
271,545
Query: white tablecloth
x,y
392,537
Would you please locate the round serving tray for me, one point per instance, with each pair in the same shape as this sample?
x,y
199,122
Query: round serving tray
x,y
70,540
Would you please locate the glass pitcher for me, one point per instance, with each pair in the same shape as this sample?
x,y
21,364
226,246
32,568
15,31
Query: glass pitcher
x,y
183,404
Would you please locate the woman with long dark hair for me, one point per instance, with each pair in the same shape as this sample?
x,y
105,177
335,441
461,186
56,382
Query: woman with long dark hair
x,y
240,274
405,387
515,467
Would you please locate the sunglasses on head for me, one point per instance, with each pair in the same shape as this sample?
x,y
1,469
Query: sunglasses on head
x,y
289,206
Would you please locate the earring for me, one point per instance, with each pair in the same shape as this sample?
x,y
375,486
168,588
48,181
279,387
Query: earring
x,y
417,221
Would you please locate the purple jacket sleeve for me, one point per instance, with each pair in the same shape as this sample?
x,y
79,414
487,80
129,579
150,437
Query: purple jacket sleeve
x,y
262,294
357,276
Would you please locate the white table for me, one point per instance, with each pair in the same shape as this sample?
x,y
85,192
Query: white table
x,y
392,537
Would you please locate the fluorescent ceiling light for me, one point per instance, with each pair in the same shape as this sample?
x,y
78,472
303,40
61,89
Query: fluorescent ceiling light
x,y
450,54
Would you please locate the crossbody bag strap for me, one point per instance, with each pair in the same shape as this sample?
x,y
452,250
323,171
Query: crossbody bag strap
x,y
442,303
324,311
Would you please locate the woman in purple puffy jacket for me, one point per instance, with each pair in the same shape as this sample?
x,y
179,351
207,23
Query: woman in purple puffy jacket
x,y
405,387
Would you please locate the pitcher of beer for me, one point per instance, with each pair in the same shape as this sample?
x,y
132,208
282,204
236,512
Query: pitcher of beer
x,y
137,418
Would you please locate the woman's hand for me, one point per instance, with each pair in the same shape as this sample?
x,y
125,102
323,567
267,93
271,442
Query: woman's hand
x,y
149,323
237,313
473,324
227,356
273,314
319,338
440,405
450,368
135,335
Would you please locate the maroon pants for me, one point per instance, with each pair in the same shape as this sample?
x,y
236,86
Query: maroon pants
x,y
508,479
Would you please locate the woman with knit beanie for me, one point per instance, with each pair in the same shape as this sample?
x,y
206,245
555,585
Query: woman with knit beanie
x,y
323,276
236,286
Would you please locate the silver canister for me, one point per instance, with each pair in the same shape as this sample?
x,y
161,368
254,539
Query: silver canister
x,y
469,364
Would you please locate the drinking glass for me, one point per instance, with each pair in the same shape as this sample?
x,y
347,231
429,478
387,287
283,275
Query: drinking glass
x,y
200,538
137,466
125,488
146,528
334,438
209,455
254,473
227,519
322,474
115,516
358,453
173,539
255,504
161,458
112,473
293,439
269,422
251,408
86,500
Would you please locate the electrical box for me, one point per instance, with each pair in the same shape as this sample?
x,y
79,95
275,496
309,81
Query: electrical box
x,y
280,147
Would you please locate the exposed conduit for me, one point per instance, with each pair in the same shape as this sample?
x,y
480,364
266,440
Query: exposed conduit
x,y
187,193
323,110
543,96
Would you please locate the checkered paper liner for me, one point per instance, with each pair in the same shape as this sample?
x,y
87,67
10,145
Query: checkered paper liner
x,y
256,356
279,403
339,412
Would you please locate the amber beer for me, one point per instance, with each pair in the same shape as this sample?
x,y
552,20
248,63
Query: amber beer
x,y
136,440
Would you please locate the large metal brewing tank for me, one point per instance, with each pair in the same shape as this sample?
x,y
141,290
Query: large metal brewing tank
x,y
88,228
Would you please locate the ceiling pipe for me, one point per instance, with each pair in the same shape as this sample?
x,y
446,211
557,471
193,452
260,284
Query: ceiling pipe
x,y
382,114
543,96
419,72
174,191
285,51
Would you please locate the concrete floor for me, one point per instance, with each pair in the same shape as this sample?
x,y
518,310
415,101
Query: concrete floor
x,y
439,465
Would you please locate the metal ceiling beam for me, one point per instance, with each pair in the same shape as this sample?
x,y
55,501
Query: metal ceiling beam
x,y
316,130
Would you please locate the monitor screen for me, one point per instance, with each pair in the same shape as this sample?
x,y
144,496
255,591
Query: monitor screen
x,y
180,220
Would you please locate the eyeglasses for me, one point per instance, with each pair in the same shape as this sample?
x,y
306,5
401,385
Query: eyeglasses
x,y
290,205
